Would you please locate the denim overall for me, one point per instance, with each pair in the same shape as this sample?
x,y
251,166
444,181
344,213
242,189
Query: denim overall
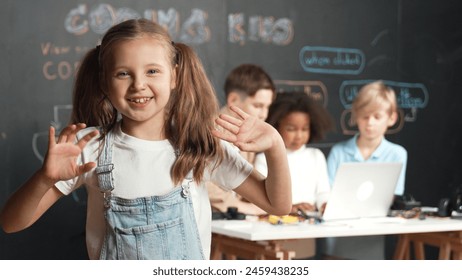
x,y
155,227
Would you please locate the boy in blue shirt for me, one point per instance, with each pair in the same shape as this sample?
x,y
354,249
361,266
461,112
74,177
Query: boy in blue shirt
x,y
374,110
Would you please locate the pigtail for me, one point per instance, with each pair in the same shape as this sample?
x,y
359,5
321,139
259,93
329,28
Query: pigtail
x,y
90,104
190,120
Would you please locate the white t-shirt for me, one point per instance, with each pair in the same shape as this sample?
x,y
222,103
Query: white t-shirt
x,y
308,171
142,168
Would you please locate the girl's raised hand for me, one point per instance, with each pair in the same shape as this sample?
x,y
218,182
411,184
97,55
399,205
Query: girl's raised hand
x,y
61,159
246,132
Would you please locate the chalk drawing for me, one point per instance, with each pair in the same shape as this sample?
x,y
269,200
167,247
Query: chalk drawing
x,y
411,116
99,18
408,95
259,29
329,60
195,29
60,112
379,36
381,59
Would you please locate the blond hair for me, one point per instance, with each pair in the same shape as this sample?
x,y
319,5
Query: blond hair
x,y
375,93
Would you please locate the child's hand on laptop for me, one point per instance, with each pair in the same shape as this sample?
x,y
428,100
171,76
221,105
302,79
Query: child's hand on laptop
x,y
304,206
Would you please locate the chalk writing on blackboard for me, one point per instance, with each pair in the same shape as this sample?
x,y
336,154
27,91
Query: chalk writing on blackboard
x,y
411,116
195,30
409,95
316,89
379,36
383,58
61,69
329,60
264,29
98,19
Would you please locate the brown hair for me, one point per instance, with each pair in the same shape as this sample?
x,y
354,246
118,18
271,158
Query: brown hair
x,y
247,79
289,102
191,109
375,93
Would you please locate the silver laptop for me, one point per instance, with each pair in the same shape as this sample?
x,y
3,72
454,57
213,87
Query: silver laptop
x,y
362,190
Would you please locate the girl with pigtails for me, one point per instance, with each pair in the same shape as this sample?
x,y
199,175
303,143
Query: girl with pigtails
x,y
145,136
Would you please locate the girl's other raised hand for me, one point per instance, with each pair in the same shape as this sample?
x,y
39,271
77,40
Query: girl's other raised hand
x,y
61,159
246,132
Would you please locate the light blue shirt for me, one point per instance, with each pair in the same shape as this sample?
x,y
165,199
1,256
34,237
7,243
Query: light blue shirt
x,y
348,151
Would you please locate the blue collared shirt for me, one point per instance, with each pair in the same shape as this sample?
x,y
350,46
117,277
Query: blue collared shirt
x,y
348,151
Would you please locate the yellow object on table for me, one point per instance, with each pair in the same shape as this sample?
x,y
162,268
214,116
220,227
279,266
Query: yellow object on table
x,y
282,220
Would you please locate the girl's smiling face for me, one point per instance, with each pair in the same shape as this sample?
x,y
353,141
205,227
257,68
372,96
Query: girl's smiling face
x,y
140,81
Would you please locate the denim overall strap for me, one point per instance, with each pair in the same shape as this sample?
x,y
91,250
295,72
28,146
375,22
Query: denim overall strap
x,y
105,168
153,227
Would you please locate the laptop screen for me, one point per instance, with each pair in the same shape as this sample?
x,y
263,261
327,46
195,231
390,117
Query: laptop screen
x,y
362,190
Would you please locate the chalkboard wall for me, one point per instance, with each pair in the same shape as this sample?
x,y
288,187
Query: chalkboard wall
x,y
328,48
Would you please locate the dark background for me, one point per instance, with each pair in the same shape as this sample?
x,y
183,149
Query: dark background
x,y
414,45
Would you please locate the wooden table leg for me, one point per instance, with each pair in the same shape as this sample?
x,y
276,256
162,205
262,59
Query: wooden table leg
x,y
418,249
446,242
233,248
445,251
215,252
402,248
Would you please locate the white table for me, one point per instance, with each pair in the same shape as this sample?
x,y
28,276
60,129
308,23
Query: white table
x,y
243,234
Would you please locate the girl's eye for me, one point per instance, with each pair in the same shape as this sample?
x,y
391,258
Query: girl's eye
x,y
152,71
122,74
